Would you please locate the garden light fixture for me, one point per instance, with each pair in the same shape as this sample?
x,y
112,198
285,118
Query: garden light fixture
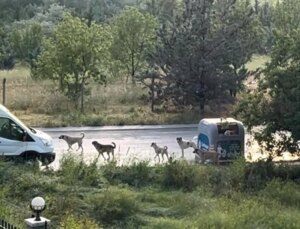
x,y
37,205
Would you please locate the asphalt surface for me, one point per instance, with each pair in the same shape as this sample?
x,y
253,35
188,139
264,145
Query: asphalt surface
x,y
133,142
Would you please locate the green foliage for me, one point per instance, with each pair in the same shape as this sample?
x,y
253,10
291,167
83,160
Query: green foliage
x,y
276,101
138,174
94,10
74,222
219,197
134,35
180,174
76,54
285,15
285,192
12,10
114,204
76,118
203,54
75,169
26,42
7,57
164,10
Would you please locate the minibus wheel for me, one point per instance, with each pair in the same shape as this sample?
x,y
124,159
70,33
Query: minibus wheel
x,y
29,155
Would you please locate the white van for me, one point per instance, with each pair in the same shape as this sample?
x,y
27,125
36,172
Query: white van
x,y
18,140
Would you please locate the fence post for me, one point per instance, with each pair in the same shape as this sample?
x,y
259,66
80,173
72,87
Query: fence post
x,y
33,224
4,92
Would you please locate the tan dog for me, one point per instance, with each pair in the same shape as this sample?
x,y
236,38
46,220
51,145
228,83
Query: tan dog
x,y
184,144
207,155
72,140
109,149
160,151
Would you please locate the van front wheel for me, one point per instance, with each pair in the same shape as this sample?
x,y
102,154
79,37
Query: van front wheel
x,y
29,156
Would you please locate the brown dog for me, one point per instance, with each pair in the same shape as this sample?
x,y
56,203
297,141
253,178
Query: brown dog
x,y
109,149
72,140
207,155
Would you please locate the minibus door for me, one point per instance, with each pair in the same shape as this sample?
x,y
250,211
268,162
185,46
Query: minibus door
x,y
12,138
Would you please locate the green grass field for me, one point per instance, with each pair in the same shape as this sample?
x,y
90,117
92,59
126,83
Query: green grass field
x,y
176,195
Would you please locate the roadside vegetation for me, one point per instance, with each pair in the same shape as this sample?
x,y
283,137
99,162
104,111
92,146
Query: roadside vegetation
x,y
38,103
154,62
95,62
173,195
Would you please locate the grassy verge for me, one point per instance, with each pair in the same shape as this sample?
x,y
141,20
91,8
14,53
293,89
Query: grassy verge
x,y
175,195
39,103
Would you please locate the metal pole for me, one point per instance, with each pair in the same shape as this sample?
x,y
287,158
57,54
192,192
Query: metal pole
x,y
4,92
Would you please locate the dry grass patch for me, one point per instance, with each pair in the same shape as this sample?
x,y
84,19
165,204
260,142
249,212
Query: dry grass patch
x,y
39,103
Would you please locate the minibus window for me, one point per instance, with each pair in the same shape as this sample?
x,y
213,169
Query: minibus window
x,y
10,130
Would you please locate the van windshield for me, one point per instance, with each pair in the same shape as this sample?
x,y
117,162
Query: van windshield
x,y
20,122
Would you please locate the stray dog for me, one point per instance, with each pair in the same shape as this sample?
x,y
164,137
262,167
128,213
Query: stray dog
x,y
160,151
109,149
228,133
184,144
207,155
72,140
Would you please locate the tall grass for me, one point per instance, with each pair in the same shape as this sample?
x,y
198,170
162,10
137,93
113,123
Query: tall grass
x,y
40,103
175,195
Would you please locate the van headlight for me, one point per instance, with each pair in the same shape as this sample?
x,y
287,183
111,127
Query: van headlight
x,y
46,142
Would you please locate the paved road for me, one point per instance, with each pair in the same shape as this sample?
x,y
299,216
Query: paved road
x,y
133,142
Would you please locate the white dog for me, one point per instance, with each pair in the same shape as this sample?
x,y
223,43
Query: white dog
x,y
160,151
184,144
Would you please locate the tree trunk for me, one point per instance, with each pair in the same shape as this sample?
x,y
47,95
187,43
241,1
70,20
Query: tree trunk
x,y
132,69
152,93
82,97
4,91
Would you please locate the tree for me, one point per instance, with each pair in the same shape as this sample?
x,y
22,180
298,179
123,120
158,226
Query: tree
x,y
286,15
275,105
164,10
7,57
26,43
75,54
134,35
204,53
94,10
153,80
12,10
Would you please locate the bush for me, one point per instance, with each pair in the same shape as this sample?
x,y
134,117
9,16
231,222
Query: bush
x,y
137,174
180,174
113,204
257,174
75,222
285,192
76,171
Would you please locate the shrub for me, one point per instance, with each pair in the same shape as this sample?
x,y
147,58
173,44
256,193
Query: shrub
x,y
76,171
137,174
75,222
285,192
180,174
113,204
257,174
